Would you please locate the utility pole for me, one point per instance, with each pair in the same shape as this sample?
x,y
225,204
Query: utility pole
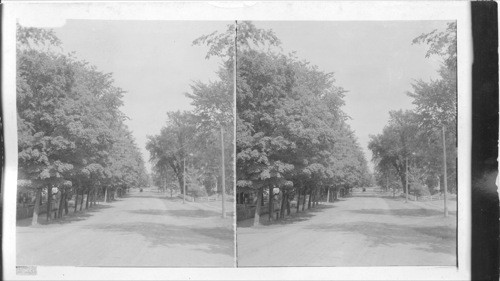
x,y
223,173
414,169
184,181
445,180
406,177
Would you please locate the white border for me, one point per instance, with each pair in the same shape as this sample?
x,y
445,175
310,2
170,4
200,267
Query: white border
x,y
57,12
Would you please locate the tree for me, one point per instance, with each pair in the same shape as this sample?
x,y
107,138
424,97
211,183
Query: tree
x,y
396,144
44,139
288,116
70,128
171,146
436,100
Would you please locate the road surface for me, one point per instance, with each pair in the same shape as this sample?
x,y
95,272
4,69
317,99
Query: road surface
x,y
364,230
143,229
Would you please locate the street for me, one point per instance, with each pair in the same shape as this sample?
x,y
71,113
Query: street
x,y
368,229
143,229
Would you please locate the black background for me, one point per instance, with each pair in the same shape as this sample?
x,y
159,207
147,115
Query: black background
x,y
485,204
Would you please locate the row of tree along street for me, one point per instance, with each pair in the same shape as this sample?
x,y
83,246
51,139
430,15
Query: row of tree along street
x,y
71,133
292,136
194,151
417,150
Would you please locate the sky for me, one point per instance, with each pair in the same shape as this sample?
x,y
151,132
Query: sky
x,y
375,62
155,63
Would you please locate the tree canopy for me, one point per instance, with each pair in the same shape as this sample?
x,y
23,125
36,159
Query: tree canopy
x,y
71,132
433,118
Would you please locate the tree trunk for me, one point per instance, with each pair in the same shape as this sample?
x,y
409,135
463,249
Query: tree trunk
x,y
403,182
287,205
271,206
256,219
61,204
166,184
81,200
66,203
282,205
181,183
87,201
49,203
298,200
309,202
328,195
304,200
36,209
315,198
105,194
76,200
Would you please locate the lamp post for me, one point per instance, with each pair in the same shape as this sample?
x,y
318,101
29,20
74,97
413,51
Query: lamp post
x,y
406,178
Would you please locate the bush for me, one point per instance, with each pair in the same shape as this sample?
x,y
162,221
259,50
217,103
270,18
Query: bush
x,y
197,191
421,189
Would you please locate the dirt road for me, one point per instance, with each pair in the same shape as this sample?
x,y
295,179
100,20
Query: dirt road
x,y
364,230
144,229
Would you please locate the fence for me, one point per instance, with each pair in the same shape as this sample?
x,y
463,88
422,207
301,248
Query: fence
x,y
23,212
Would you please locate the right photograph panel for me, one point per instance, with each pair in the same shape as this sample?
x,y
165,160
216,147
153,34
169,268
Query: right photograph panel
x,y
346,143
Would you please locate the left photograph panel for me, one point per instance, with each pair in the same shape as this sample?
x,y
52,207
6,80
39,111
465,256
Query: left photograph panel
x,y
125,144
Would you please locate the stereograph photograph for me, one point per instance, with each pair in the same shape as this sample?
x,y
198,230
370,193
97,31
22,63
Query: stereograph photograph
x,y
174,141
125,146
346,144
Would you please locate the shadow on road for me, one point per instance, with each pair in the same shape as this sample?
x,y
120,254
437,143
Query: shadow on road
x,y
434,239
178,213
371,195
159,196
420,212
218,240
293,218
399,212
69,218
